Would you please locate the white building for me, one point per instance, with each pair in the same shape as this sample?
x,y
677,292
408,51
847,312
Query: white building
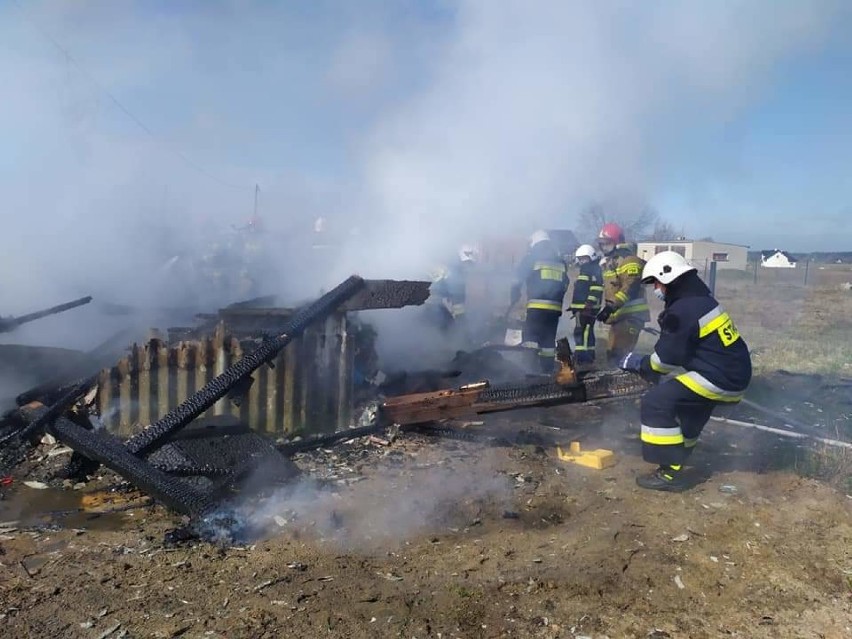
x,y
777,259
699,253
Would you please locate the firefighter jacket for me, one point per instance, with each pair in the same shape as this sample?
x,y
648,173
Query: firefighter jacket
x,y
449,287
588,289
546,277
698,336
623,289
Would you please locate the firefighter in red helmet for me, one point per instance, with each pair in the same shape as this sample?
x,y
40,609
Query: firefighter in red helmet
x,y
625,308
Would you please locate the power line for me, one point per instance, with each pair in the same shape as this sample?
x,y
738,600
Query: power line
x,y
177,153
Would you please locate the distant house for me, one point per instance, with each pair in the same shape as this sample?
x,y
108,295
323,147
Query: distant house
x,y
699,253
777,259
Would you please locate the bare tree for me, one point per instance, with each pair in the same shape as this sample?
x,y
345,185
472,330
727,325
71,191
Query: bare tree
x,y
635,223
662,231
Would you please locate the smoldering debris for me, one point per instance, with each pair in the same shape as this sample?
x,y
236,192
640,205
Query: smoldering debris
x,y
192,470
364,496
205,458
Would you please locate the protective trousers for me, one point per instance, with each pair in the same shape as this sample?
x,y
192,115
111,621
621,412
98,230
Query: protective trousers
x,y
622,339
672,419
540,334
584,338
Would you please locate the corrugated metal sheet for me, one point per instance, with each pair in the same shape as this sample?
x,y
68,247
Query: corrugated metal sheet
x,y
307,388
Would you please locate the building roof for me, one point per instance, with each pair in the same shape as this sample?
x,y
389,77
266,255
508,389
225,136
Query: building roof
x,y
692,242
764,255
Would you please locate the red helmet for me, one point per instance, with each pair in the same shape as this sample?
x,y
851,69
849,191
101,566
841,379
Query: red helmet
x,y
611,232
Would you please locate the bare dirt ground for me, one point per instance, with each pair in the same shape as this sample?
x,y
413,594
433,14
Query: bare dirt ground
x,y
432,537
438,538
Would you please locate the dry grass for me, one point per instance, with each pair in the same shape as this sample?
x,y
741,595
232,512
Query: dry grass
x,y
798,328
791,326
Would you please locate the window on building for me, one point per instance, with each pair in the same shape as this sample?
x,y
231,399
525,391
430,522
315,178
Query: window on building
x,y
681,250
659,248
720,257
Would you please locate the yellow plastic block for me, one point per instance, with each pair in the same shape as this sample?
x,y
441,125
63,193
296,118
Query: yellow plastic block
x,y
598,459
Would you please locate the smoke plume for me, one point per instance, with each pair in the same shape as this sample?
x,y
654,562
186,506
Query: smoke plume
x,y
136,133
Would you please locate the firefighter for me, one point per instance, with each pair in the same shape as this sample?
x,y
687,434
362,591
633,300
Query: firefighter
x,y
625,308
699,341
586,303
449,289
545,275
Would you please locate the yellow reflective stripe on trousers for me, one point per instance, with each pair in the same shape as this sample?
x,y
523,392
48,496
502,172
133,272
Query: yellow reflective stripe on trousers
x,y
584,345
690,442
582,278
547,352
699,385
659,366
529,345
661,436
544,305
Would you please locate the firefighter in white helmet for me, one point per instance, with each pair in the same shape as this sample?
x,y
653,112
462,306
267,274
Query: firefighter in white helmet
x,y
449,288
586,302
543,272
701,346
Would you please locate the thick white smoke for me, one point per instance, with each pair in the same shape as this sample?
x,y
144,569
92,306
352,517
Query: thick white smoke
x,y
533,110
418,129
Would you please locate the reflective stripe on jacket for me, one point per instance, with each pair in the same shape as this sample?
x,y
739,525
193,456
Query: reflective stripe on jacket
x,y
588,289
545,275
622,281
699,337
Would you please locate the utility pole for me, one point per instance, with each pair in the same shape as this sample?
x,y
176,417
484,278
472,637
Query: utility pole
x,y
256,193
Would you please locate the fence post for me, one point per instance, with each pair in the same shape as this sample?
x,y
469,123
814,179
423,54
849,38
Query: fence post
x,y
711,282
756,264
807,266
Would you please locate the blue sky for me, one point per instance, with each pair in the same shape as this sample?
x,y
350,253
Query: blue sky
x,y
424,123
781,168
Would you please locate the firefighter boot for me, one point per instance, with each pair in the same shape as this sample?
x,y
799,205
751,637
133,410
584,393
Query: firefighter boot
x,y
665,478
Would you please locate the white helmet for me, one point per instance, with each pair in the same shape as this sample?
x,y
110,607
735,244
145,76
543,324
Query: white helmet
x,y
665,267
468,253
586,250
539,236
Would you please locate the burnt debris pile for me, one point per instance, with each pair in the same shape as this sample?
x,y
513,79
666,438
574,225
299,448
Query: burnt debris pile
x,y
217,399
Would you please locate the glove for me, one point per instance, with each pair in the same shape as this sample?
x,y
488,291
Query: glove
x,y
605,313
632,362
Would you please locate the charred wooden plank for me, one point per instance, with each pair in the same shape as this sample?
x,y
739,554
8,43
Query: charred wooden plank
x,y
11,323
484,398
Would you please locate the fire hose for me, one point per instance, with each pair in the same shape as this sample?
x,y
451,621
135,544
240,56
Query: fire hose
x,y
784,433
